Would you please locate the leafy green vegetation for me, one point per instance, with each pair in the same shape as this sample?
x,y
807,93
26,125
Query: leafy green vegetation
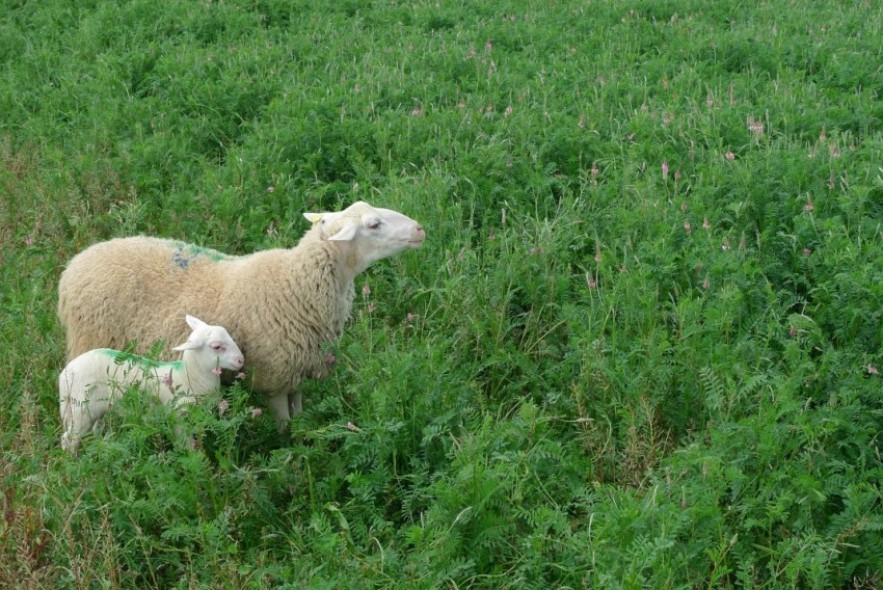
x,y
639,349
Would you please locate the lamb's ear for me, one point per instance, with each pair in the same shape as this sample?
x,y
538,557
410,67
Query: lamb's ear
x,y
347,233
194,322
313,217
189,345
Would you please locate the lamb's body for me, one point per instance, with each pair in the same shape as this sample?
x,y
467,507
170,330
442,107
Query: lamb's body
x,y
93,380
281,306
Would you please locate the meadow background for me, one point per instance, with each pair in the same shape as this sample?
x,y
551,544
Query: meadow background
x,y
639,349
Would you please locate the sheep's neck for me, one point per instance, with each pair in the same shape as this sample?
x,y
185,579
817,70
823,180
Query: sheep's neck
x,y
191,377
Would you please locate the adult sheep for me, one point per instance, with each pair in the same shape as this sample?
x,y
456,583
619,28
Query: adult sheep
x,y
281,306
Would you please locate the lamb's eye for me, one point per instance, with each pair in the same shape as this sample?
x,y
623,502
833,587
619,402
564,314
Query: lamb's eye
x,y
374,224
217,346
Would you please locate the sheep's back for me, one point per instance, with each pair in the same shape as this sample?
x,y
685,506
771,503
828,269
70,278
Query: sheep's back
x,y
136,289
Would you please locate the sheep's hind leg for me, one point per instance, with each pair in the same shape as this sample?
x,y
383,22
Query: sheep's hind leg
x,y
279,405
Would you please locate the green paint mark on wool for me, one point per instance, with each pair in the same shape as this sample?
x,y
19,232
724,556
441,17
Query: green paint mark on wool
x,y
120,357
192,251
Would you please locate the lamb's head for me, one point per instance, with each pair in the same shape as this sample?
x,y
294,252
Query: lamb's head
x,y
373,233
211,346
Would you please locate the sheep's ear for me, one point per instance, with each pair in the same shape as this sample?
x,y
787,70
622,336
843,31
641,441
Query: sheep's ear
x,y
189,345
194,322
346,234
313,217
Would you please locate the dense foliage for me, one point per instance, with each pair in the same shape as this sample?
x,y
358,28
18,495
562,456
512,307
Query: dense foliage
x,y
640,347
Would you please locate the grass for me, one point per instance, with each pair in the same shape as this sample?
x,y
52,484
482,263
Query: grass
x,y
640,347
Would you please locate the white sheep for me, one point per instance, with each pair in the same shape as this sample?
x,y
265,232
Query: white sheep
x,y
283,306
90,382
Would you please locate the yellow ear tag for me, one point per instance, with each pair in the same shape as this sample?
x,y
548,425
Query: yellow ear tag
x,y
314,217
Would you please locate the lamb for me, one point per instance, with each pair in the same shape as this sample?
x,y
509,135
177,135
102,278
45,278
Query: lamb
x,y
283,306
90,382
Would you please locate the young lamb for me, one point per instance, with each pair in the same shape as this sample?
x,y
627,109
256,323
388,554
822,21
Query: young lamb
x,y
90,382
282,306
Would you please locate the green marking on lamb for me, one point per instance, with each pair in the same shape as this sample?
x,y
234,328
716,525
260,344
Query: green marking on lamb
x,y
120,357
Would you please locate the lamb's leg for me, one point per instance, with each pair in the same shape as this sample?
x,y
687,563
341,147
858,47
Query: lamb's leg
x,y
182,435
279,405
79,418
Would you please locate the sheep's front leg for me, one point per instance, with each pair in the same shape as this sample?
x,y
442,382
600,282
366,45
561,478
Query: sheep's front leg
x,y
295,403
279,405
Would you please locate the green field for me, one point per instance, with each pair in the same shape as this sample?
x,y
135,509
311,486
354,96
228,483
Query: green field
x,y
640,348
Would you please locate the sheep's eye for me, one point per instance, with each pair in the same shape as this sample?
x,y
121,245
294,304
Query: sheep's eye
x,y
374,224
217,346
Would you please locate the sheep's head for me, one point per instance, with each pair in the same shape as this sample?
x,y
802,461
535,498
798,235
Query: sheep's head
x,y
373,233
215,342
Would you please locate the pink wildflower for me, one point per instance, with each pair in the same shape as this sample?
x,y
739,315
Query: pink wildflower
x,y
488,46
807,251
256,412
217,371
330,359
872,370
665,170
598,256
353,427
508,111
730,156
595,170
366,290
756,127
372,307
809,206
29,241
591,281
792,331
167,379
706,225
687,227
271,188
706,284
223,406
411,316
416,112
